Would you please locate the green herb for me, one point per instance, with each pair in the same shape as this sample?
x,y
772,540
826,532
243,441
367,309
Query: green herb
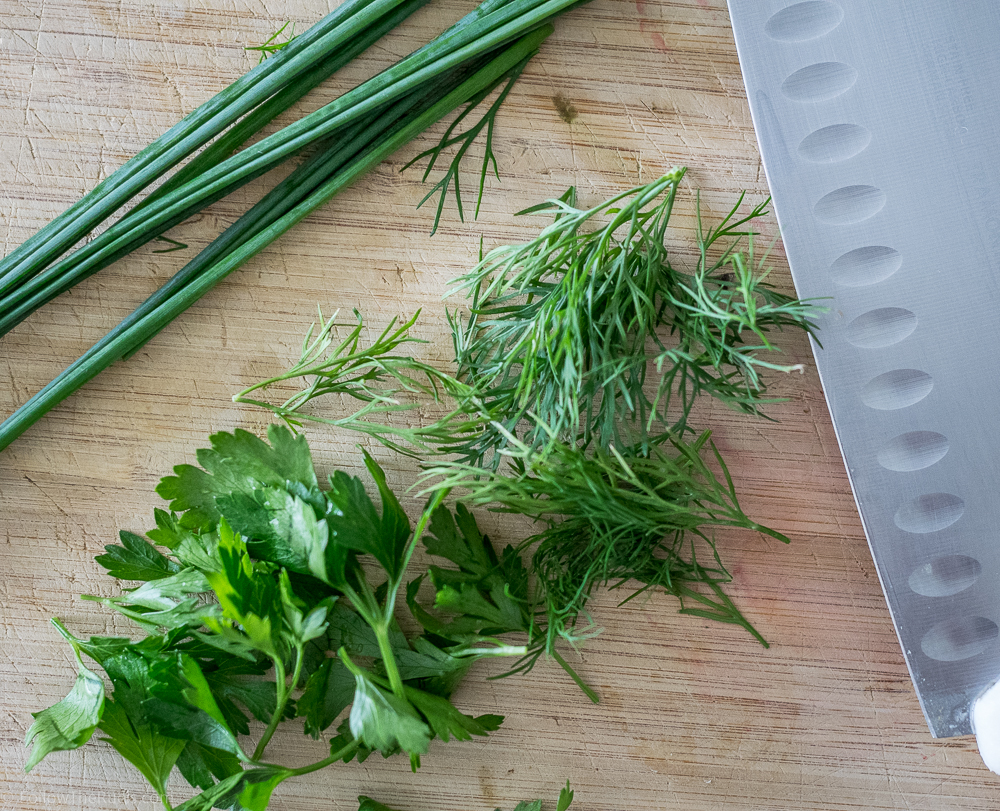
x,y
311,185
486,596
590,337
496,25
386,383
573,328
271,46
285,75
70,723
466,138
550,415
615,520
263,593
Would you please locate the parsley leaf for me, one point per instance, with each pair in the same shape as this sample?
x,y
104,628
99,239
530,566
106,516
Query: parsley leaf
x,y
70,723
432,668
248,596
248,790
328,692
145,747
261,581
171,602
237,680
565,798
383,721
202,765
368,804
237,462
283,527
487,594
446,721
185,707
136,559
356,525
190,548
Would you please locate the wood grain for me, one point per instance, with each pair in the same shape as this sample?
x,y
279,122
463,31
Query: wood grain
x,y
693,716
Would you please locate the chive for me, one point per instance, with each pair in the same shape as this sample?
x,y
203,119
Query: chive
x,y
240,132
19,305
288,203
196,129
256,120
462,42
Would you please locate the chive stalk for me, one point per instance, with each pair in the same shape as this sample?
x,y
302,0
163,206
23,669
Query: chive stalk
x,y
310,186
474,36
12,312
331,33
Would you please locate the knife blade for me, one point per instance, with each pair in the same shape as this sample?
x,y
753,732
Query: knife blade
x,y
879,131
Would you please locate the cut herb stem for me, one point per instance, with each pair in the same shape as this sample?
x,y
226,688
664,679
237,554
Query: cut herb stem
x,y
284,692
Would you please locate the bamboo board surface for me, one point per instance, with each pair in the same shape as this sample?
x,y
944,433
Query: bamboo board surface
x,y
694,715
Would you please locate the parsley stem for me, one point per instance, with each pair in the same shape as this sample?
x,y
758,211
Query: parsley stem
x,y
284,693
389,658
432,505
499,650
340,754
279,710
381,627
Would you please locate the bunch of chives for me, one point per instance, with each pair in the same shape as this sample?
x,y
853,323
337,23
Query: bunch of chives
x,y
305,62
358,130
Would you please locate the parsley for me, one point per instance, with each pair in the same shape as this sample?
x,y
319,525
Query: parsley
x,y
276,595
266,594
70,723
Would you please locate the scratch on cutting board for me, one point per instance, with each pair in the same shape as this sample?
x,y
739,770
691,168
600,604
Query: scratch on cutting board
x,y
41,490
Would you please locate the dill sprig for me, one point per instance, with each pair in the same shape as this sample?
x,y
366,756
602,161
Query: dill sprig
x,y
385,381
466,138
594,335
575,325
271,45
612,520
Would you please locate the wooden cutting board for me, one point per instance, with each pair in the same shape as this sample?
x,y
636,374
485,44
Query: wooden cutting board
x,y
694,715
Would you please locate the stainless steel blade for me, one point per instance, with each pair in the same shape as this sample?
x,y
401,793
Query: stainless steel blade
x,y
879,128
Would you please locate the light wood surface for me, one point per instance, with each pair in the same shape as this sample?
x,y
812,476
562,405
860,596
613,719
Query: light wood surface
x,y
694,715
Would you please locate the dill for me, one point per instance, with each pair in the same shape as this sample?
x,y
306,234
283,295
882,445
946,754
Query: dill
x,y
271,45
577,367
614,520
576,325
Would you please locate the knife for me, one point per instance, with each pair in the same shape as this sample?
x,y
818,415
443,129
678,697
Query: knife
x,y
879,131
